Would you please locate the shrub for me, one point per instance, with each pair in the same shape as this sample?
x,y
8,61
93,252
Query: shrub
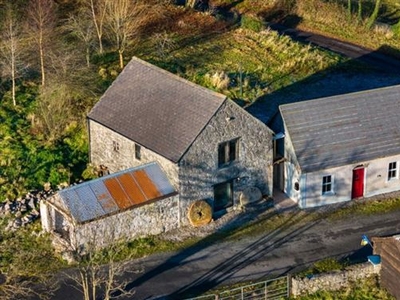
x,y
251,22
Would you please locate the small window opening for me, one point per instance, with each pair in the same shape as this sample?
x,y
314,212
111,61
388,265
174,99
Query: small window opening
x,y
138,154
115,146
228,152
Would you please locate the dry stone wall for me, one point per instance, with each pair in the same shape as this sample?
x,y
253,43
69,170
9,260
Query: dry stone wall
x,y
24,210
332,281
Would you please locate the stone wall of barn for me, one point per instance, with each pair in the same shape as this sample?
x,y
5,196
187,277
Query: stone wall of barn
x,y
117,153
148,219
199,171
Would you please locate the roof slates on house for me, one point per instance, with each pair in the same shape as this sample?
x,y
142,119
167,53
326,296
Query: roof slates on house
x,y
346,129
156,109
116,192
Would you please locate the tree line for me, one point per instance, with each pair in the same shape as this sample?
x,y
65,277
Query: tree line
x,y
49,77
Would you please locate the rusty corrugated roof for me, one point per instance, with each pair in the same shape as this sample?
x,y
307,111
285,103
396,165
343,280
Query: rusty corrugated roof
x,y
116,192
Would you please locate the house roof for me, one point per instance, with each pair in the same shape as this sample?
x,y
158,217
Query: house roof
x,y
156,109
345,129
116,192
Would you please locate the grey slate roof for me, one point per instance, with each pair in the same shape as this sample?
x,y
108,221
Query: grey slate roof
x,y
156,109
345,129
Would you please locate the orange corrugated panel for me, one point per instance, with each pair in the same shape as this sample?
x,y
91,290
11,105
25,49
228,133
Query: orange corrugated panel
x,y
117,193
131,188
146,184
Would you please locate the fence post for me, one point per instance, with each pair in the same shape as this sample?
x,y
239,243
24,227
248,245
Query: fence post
x,y
266,290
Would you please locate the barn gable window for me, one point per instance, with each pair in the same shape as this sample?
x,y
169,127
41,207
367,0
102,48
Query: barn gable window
x,y
327,184
392,170
138,154
115,146
228,152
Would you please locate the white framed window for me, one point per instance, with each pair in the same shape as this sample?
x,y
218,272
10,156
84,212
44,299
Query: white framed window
x,y
327,184
392,170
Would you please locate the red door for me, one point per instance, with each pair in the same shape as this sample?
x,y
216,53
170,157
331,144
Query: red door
x,y
358,183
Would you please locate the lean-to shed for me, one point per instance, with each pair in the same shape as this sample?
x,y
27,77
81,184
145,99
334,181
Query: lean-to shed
x,y
127,204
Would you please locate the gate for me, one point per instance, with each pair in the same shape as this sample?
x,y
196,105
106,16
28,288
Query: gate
x,y
272,289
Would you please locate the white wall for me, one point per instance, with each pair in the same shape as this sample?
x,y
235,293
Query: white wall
x,y
375,182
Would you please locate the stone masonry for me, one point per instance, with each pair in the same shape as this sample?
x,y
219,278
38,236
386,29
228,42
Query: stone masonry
x,y
332,281
195,175
198,169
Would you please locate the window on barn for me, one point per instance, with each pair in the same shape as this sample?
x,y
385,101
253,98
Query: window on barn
x,y
138,154
228,152
115,146
327,184
223,195
392,170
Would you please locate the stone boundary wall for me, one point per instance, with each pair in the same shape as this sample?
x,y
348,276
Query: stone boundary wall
x,y
332,281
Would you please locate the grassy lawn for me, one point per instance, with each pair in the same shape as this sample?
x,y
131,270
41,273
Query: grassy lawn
x,y
331,18
243,64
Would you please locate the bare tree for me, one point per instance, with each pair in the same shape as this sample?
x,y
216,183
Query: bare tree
x,y
97,10
98,270
124,20
10,47
26,265
41,19
82,27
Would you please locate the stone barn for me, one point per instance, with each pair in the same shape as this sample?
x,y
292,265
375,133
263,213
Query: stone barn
x,y
128,204
210,148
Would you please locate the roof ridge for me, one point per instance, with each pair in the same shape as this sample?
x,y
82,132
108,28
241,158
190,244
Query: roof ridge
x,y
173,75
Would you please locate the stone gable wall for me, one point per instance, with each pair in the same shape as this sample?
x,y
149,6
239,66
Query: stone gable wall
x,y
198,169
102,153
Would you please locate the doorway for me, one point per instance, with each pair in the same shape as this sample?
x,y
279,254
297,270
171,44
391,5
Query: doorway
x,y
358,183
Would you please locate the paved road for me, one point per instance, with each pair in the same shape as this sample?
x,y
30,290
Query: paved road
x,y
287,249
377,58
